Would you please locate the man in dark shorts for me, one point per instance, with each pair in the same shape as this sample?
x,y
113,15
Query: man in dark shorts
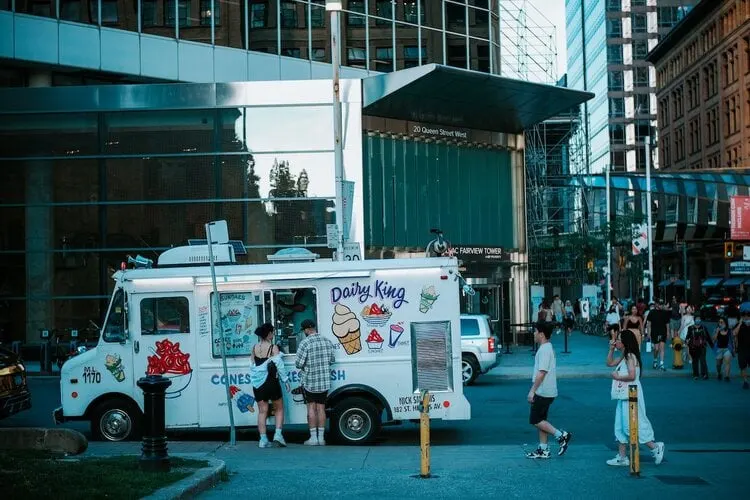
x,y
742,345
543,392
657,323
315,355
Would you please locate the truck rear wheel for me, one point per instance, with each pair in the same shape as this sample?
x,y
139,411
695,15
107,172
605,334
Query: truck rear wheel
x,y
116,420
355,421
469,369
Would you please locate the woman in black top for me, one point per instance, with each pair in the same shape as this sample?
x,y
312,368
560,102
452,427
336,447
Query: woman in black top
x,y
722,339
266,358
634,323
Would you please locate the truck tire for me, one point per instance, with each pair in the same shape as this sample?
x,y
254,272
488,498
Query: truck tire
x,y
469,368
116,420
355,421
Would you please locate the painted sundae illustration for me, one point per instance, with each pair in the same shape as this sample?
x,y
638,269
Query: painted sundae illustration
x,y
169,360
113,362
394,335
376,315
374,340
427,298
346,328
243,400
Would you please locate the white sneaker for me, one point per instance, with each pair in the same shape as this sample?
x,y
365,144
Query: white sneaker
x,y
619,461
263,443
311,442
321,441
658,453
279,439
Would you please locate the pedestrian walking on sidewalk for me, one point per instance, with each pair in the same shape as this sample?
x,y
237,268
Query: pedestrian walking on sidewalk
x,y
628,372
742,343
698,340
634,322
265,371
657,323
724,343
543,392
315,356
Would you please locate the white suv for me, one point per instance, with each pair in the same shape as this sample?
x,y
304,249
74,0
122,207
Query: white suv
x,y
480,350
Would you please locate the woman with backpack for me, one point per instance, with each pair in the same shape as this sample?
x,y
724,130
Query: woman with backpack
x,y
698,340
265,371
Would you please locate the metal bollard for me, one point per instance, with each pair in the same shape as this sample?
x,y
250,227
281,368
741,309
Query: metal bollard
x,y
635,456
424,435
154,457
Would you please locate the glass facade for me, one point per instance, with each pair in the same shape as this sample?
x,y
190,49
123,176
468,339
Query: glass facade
x,y
79,192
462,33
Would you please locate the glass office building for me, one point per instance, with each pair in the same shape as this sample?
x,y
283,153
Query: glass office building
x,y
607,42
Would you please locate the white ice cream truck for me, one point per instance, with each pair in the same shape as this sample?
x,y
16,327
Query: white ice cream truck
x,y
394,323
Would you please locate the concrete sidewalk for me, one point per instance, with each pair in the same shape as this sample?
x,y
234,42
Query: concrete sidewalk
x,y
586,357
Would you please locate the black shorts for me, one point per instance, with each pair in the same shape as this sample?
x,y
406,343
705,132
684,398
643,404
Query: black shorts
x,y
539,409
659,337
743,359
316,397
269,391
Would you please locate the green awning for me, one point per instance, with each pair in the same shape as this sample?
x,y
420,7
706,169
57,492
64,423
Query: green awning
x,y
456,97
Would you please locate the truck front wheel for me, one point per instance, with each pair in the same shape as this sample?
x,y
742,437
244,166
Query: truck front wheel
x,y
115,420
355,421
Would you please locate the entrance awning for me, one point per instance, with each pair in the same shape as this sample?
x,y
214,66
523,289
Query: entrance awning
x,y
672,283
711,282
734,281
456,97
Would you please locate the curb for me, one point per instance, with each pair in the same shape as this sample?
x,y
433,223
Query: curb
x,y
200,481
608,375
39,375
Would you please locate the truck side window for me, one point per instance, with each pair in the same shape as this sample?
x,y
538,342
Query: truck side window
x,y
469,327
114,330
291,308
165,316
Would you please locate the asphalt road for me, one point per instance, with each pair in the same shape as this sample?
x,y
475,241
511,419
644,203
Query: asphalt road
x,y
681,410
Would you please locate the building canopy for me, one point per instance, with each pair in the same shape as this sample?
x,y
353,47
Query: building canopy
x,y
708,185
456,97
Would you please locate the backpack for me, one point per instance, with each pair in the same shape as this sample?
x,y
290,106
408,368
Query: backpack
x,y
698,339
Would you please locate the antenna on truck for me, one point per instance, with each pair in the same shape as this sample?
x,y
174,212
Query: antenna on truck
x,y
217,233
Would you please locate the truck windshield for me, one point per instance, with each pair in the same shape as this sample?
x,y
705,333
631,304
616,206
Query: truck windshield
x,y
114,327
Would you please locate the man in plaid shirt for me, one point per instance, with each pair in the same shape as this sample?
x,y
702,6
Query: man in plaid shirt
x,y
314,360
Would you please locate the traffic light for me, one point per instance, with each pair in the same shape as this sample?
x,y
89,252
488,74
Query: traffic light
x,y
729,249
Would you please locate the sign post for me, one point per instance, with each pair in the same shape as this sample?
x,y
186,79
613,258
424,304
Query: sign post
x,y
335,7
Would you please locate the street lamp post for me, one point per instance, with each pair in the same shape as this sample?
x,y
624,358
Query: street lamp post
x,y
335,7
649,235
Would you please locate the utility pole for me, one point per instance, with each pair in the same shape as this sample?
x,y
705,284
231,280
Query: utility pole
x,y
649,227
335,7
609,241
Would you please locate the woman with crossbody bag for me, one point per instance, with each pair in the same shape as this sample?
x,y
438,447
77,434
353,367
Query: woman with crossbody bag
x,y
266,370
628,372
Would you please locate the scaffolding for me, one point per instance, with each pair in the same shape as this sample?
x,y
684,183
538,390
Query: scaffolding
x,y
527,43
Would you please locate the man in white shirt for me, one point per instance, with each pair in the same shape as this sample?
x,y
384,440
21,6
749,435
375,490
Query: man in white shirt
x,y
543,392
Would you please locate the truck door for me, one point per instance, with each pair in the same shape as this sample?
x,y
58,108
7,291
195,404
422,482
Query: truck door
x,y
164,330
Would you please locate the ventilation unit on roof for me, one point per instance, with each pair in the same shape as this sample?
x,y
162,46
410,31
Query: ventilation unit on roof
x,y
196,255
287,255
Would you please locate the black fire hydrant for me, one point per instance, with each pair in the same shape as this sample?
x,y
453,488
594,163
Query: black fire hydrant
x,y
154,457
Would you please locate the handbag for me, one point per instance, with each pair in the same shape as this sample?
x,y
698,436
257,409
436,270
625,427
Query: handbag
x,y
619,389
649,346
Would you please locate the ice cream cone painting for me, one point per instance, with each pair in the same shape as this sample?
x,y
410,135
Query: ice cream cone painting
x,y
346,328
113,362
427,298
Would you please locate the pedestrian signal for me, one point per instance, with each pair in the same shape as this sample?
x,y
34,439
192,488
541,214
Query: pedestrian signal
x,y
728,249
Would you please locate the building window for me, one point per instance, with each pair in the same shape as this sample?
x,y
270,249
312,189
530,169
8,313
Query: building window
x,y
614,5
641,77
457,56
258,15
288,14
318,14
183,11
207,14
109,11
384,59
454,13
483,58
614,28
614,54
481,12
384,9
666,151
411,10
640,49
356,57
616,106
667,16
615,80
617,133
639,23
679,143
358,9
712,126
637,3
677,105
664,112
618,160
411,55
149,15
318,54
642,104
642,130
70,10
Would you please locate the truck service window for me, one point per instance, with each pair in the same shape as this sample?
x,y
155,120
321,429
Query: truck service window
x,y
289,308
165,316
114,330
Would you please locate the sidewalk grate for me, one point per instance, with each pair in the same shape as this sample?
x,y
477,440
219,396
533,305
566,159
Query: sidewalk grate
x,y
683,480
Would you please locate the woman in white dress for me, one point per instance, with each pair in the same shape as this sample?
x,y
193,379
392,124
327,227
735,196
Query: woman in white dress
x,y
628,372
